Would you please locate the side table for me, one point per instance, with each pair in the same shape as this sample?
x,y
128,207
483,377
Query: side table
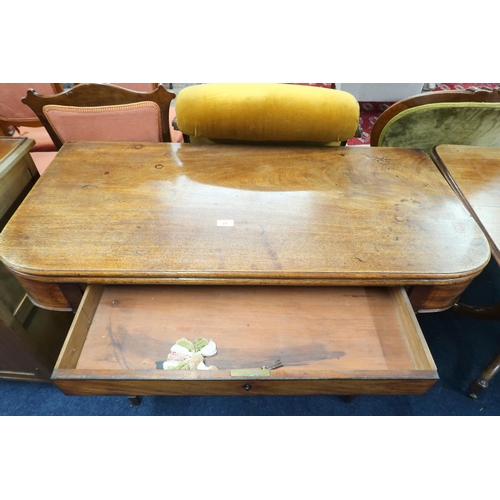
x,y
30,337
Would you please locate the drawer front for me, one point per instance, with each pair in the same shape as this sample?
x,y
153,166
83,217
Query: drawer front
x,y
329,340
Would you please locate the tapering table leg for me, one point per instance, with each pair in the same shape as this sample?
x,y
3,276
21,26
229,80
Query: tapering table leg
x,y
481,383
479,312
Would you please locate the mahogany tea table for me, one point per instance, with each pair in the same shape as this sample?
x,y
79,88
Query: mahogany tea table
x,y
474,175
318,257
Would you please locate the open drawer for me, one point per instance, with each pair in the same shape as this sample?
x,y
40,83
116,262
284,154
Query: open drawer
x,y
330,340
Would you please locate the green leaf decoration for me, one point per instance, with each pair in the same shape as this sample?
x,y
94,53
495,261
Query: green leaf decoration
x,y
200,343
183,365
186,343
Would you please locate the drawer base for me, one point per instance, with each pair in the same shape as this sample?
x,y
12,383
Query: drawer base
x,y
331,340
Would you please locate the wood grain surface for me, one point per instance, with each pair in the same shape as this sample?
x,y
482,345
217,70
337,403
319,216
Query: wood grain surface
x,y
325,333
148,213
8,146
474,174
307,328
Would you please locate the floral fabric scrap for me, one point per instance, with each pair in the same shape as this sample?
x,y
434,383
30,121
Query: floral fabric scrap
x,y
187,355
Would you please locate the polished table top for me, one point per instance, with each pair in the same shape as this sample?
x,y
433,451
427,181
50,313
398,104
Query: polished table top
x,y
475,174
8,145
183,213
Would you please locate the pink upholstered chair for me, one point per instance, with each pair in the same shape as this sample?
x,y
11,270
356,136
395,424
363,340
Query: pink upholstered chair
x,y
175,135
102,112
17,120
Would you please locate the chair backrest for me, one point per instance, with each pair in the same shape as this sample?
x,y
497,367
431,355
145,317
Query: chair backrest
x,y
13,113
138,87
470,118
103,112
266,113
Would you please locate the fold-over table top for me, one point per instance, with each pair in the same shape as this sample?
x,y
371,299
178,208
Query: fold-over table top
x,y
147,212
475,173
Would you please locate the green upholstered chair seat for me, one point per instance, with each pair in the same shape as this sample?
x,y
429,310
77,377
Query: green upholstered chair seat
x,y
429,125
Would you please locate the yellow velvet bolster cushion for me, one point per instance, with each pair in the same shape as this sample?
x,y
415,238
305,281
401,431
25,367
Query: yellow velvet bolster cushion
x,y
266,112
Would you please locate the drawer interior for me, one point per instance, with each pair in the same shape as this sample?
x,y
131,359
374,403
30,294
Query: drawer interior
x,y
121,332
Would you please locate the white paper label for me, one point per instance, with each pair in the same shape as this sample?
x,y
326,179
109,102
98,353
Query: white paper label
x,y
225,222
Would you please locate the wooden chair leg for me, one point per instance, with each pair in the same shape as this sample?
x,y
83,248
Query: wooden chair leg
x,y
483,381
